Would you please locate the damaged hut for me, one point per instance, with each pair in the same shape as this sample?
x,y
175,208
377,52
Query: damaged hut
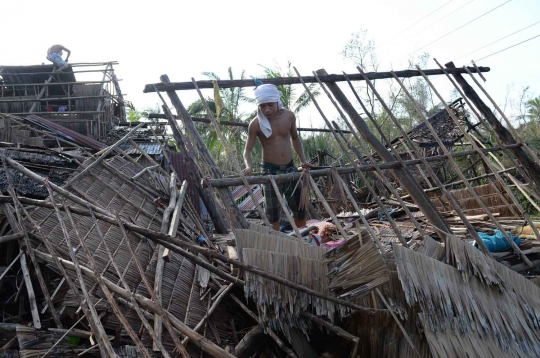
x,y
116,261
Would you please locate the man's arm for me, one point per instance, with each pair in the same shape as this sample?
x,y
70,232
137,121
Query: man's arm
x,y
297,145
68,52
250,143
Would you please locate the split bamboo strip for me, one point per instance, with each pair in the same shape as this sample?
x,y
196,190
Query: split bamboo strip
x,y
102,155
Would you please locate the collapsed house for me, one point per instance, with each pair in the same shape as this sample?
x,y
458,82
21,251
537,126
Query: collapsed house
x,y
106,254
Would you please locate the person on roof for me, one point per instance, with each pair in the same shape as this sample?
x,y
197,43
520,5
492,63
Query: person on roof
x,y
54,54
275,127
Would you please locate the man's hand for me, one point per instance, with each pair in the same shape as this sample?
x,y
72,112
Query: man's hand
x,y
247,171
305,165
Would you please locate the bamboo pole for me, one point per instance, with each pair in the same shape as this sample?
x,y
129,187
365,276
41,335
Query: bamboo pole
x,y
30,291
160,265
278,81
173,228
49,99
238,124
231,155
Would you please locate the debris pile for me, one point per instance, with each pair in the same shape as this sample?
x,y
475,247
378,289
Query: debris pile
x,y
105,251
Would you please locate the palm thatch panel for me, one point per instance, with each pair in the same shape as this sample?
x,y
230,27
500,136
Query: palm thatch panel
x,y
454,311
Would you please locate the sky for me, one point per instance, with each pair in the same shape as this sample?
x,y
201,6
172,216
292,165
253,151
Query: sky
x,y
185,38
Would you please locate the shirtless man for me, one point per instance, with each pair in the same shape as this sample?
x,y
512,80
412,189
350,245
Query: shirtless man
x,y
54,54
276,128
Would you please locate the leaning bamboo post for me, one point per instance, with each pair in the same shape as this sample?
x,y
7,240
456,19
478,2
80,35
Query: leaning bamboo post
x,y
449,196
493,170
207,195
120,316
231,155
30,291
353,163
458,170
6,270
160,249
524,154
503,115
237,219
487,124
41,93
326,206
519,187
285,209
173,228
406,180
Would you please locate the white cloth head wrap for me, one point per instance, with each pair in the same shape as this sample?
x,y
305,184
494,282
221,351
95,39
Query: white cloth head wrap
x,y
266,94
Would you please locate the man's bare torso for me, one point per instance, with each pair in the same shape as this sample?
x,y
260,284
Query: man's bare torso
x,y
277,148
55,49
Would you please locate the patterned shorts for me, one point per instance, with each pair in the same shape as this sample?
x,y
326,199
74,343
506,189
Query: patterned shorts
x,y
56,58
287,189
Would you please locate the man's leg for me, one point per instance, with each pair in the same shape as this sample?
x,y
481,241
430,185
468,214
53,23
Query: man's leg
x,y
272,207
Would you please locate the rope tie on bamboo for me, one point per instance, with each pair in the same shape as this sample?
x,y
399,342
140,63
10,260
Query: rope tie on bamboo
x,y
257,82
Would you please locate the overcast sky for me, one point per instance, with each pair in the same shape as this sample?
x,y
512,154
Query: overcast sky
x,y
185,38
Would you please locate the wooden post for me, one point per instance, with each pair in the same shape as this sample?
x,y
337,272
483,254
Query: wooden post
x,y
407,181
237,220
503,134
